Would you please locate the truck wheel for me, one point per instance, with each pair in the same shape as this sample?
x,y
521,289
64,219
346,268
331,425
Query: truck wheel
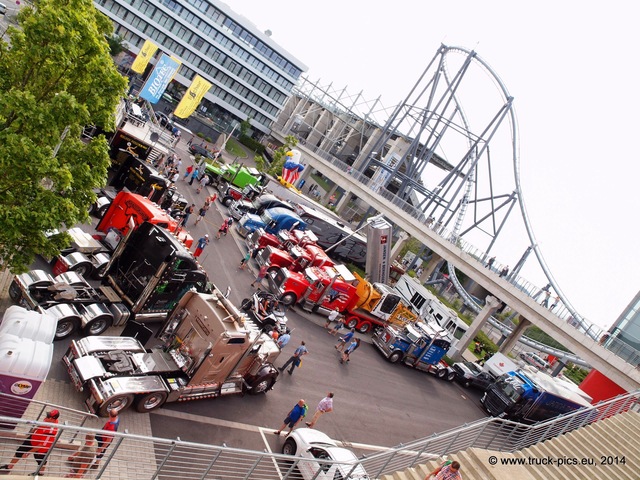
x,y
150,401
222,187
99,273
14,292
364,328
451,376
119,403
441,373
98,325
289,447
466,384
261,385
84,269
66,327
226,201
352,322
395,356
246,304
99,213
289,299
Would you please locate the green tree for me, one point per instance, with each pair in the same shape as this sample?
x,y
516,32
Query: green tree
x,y
116,44
56,75
279,155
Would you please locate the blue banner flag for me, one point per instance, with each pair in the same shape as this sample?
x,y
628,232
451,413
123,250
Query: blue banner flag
x,y
158,80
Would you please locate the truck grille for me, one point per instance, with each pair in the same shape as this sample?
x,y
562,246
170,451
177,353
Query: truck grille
x,y
494,404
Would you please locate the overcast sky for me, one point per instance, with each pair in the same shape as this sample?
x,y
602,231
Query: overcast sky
x,y
571,67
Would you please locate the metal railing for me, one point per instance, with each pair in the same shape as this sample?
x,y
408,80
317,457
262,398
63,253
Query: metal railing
x,y
154,458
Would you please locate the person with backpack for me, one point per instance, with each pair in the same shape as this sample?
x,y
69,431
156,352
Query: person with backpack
x,y
447,471
297,413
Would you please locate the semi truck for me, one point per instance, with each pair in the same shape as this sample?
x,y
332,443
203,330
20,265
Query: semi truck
x,y
296,258
148,273
530,396
208,349
272,221
89,257
236,174
418,345
365,305
471,374
429,307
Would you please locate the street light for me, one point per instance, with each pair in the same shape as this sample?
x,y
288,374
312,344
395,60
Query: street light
x,y
369,221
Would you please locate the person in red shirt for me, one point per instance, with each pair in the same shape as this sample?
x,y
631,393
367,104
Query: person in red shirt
x,y
39,442
103,439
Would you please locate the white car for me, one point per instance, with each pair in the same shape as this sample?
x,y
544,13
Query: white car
x,y
317,446
3,9
535,360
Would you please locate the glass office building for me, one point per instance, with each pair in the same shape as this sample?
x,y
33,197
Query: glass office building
x,y
251,75
625,332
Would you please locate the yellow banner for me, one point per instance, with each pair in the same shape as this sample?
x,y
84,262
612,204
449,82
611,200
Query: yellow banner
x,y
142,60
192,97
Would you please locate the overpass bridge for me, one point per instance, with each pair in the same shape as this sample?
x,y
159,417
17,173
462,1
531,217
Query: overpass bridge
x,y
579,338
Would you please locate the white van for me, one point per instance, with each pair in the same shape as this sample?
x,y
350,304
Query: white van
x,y
3,8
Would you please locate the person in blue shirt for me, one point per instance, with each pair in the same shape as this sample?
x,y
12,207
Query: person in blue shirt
x,y
284,339
295,359
345,339
297,413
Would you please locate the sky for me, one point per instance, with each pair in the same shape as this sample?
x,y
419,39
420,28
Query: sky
x,y
570,67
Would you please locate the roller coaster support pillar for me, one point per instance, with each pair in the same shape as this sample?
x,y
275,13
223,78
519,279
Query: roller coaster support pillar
x,y
490,306
517,332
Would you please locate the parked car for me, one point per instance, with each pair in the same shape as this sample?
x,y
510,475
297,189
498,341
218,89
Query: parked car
x,y
3,9
317,446
164,121
470,374
200,150
535,360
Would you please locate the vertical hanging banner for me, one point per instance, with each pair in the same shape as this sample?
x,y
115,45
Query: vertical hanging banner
x,y
144,55
158,80
192,97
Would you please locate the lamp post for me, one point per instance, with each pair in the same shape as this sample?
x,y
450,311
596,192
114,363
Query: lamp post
x,y
224,144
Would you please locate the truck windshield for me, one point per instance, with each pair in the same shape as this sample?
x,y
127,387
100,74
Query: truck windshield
x,y
266,218
511,387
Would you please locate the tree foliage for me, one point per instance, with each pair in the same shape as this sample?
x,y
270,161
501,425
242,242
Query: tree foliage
x,y
279,155
56,75
116,44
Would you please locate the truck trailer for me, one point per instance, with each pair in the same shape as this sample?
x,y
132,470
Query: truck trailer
x,y
208,349
530,396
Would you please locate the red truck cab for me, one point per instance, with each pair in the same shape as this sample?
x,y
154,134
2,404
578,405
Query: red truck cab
x,y
140,209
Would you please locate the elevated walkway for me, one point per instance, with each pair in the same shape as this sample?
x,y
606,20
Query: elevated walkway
x,y
592,452
415,224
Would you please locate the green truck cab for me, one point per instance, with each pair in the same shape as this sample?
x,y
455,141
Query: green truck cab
x,y
236,174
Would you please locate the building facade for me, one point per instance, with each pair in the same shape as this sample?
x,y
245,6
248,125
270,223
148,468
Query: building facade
x,y
626,330
252,76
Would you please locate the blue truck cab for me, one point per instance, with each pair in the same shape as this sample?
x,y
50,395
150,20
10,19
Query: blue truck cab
x,y
271,220
418,345
529,396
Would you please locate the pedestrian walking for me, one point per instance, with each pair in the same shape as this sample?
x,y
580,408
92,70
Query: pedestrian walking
x,y
504,271
175,177
555,303
104,439
261,274
194,175
340,346
490,262
295,360
224,228
355,343
293,418
39,441
202,242
340,324
187,213
203,183
447,471
188,172
333,316
202,212
245,260
82,459
212,198
284,339
324,406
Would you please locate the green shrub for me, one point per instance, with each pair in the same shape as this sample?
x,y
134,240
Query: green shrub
x,y
254,145
208,139
200,134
